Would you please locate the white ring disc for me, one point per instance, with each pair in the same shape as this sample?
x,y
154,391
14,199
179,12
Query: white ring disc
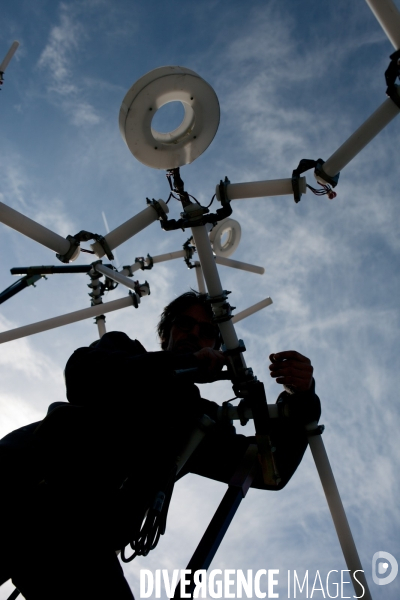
x,y
185,143
232,230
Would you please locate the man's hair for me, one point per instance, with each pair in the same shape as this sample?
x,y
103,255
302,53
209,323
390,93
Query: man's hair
x,y
178,307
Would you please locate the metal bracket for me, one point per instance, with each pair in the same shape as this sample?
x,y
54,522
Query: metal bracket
x,y
319,172
142,261
189,250
391,74
162,215
317,431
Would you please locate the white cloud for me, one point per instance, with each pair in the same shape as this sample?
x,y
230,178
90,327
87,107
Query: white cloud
x,y
59,58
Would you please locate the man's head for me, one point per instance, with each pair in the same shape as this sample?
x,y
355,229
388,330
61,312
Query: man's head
x,y
186,324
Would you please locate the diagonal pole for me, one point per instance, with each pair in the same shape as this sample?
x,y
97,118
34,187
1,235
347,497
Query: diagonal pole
x,y
338,514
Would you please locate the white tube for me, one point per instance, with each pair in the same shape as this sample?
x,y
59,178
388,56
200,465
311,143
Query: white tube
x,y
236,264
197,436
33,230
101,326
115,276
128,229
213,282
251,310
232,414
261,189
8,56
388,18
129,271
78,315
201,286
169,256
338,515
156,259
360,138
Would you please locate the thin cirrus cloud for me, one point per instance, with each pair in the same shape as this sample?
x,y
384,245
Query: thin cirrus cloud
x,y
58,60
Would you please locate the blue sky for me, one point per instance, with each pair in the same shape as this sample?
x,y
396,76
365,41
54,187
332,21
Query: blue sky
x,y
294,80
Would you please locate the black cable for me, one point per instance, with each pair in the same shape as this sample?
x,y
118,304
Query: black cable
x,y
14,594
190,196
154,524
212,200
325,190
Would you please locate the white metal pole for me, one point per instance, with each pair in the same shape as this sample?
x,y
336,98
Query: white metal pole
x,y
8,56
201,286
360,138
388,17
261,189
156,259
251,310
213,282
101,325
338,515
131,270
73,317
130,228
33,230
232,413
237,264
115,276
169,256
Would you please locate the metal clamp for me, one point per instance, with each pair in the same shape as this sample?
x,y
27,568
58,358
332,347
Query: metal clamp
x,y
316,431
162,215
391,74
142,262
74,245
319,172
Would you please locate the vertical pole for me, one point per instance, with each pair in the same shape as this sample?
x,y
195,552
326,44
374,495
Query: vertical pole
x,y
201,286
213,283
101,325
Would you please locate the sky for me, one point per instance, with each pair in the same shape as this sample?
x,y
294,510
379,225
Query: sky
x,y
294,80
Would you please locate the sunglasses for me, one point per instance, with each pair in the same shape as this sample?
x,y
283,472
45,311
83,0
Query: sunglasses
x,y
186,324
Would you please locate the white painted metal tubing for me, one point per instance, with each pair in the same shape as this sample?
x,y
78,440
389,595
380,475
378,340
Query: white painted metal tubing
x,y
135,267
130,228
237,264
251,310
388,17
338,515
8,56
33,230
201,286
197,436
231,412
115,276
73,317
169,256
360,138
156,259
261,189
101,327
213,282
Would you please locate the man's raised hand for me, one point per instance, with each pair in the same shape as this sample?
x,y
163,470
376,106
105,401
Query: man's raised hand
x,y
292,369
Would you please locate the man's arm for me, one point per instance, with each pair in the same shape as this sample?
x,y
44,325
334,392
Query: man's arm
x,y
298,405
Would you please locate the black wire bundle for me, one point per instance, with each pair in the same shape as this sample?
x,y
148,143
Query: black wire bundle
x,y
325,190
154,523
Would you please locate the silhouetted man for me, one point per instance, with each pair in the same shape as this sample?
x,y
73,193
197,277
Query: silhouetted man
x,y
83,481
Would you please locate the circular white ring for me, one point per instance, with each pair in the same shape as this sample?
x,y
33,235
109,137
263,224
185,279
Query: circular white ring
x,y
228,227
196,132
